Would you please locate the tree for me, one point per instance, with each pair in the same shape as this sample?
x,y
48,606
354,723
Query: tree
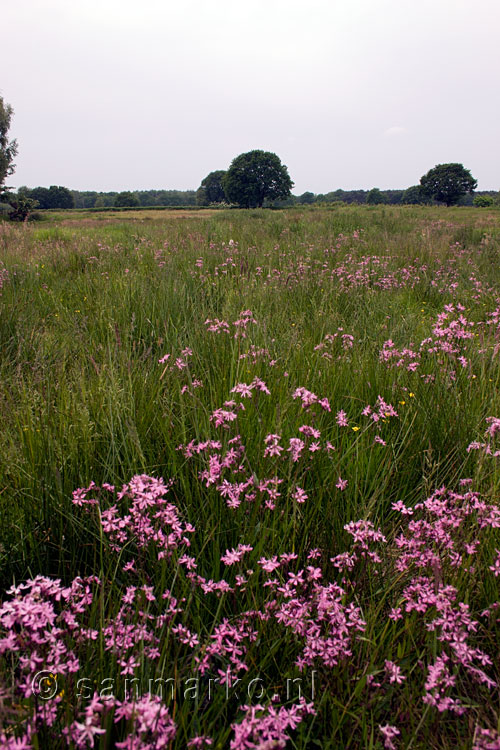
x,y
21,206
375,196
8,149
60,197
254,177
41,195
211,189
55,196
306,198
413,196
393,197
447,183
126,199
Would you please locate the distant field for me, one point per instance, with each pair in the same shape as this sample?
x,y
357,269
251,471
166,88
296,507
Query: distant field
x,y
249,479
86,216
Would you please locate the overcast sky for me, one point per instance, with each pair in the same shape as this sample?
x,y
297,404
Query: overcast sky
x,y
129,94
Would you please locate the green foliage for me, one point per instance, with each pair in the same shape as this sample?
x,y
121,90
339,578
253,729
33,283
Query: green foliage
x,y
167,197
346,196
61,197
483,201
21,206
306,198
41,196
413,196
447,183
147,198
211,189
55,196
254,177
8,149
104,200
126,198
375,196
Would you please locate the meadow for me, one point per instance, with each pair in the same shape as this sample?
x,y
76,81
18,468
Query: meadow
x,y
249,479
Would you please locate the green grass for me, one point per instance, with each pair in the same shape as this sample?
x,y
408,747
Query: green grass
x,y
88,309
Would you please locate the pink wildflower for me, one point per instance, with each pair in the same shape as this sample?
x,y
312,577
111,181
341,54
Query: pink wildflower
x,y
342,419
299,495
389,733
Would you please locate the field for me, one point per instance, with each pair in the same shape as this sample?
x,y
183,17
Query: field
x,y
249,480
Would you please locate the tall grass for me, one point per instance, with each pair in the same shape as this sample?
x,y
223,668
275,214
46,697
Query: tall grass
x,y
87,312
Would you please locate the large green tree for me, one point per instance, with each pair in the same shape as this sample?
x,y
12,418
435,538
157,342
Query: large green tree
x,y
447,183
8,149
254,177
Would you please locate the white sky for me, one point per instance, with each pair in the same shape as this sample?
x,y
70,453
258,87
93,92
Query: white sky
x,y
144,94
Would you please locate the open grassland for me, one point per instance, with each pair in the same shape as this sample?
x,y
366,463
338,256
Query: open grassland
x,y
249,480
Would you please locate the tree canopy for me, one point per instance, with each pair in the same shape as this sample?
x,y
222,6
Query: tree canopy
x,y
211,189
306,198
8,149
375,196
55,196
254,177
127,199
447,183
413,196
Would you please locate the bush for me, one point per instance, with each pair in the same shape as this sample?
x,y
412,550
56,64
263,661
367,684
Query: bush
x,y
483,201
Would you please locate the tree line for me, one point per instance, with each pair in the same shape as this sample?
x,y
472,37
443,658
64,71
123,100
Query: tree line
x,y
254,179
446,183
60,197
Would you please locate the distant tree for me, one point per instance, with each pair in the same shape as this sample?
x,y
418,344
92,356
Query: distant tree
x,y
393,197
126,199
211,189
108,199
21,206
42,196
174,198
60,197
84,199
254,177
346,196
337,196
447,183
413,196
306,198
55,196
375,196
89,200
483,201
8,149
351,196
